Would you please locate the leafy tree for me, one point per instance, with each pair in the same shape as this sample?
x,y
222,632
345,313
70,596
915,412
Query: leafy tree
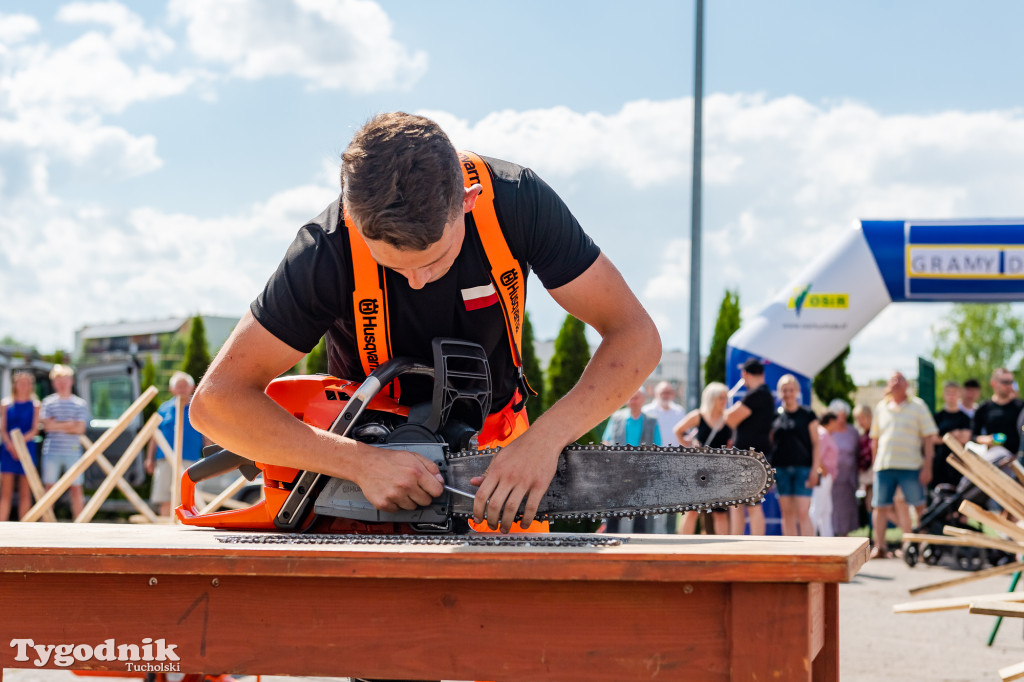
x,y
149,379
534,372
833,381
316,361
976,338
197,357
726,325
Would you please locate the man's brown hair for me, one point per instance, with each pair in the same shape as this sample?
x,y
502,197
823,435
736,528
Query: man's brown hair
x,y
401,181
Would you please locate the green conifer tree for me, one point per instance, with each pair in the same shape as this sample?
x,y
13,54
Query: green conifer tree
x,y
833,381
148,379
197,356
726,325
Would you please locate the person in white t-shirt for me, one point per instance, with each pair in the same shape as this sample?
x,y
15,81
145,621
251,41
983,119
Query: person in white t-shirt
x,y
666,411
668,414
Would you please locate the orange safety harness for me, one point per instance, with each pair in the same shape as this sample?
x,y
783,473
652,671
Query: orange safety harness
x,y
369,295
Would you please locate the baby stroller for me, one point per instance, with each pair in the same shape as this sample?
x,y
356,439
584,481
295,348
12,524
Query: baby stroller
x,y
943,511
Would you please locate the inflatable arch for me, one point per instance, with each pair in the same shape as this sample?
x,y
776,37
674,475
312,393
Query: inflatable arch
x,y
881,261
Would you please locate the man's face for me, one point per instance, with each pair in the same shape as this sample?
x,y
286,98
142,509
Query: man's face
x,y
1002,384
971,395
428,265
63,383
636,401
182,388
897,386
666,394
433,262
951,394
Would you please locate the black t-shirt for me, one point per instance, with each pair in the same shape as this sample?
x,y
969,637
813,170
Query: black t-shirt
x,y
947,421
753,432
791,438
992,418
310,294
721,438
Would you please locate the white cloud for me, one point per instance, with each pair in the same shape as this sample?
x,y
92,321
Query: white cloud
x,y
16,27
128,31
783,179
331,44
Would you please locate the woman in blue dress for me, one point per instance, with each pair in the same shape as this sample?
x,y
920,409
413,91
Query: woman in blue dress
x,y
19,411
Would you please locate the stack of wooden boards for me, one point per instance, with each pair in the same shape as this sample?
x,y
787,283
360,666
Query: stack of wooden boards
x,y
1006,491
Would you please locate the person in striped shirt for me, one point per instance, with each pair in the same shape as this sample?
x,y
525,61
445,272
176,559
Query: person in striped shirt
x,y
903,443
64,417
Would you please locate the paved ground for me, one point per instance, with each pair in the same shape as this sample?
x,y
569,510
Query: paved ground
x,y
875,644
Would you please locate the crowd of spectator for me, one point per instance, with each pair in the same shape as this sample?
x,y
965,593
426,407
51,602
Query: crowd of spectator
x,y
834,468
63,417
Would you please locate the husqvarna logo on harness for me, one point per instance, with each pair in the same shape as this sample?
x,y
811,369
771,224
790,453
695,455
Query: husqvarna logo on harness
x,y
369,311
510,280
472,174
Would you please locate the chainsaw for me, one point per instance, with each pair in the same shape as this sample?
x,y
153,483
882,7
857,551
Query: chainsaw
x,y
592,481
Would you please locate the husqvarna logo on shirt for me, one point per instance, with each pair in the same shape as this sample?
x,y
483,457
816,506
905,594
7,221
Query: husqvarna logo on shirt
x,y
369,310
510,280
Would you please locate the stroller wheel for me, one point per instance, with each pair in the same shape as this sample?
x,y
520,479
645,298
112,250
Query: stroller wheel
x,y
968,558
911,553
932,555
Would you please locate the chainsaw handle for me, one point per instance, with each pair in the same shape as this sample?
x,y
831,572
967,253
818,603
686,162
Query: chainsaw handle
x,y
378,378
219,462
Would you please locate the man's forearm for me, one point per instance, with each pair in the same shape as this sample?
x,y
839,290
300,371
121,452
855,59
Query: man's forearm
x,y
620,365
248,422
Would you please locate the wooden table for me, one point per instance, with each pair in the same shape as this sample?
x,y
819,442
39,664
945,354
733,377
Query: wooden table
x,y
656,607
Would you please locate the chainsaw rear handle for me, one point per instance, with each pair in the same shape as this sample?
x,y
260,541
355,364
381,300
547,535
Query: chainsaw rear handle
x,y
216,461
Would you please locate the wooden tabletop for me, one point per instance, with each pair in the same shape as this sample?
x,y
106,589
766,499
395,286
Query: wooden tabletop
x,y
136,549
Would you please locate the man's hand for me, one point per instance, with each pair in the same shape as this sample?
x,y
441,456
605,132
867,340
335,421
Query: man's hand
x,y
150,465
399,479
926,474
521,471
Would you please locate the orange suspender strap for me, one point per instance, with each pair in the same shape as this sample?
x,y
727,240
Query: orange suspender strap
x,y
369,303
506,275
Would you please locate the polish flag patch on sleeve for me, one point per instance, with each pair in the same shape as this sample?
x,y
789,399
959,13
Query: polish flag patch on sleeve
x,y
476,298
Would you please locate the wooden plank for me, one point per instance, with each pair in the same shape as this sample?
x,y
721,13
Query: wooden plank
x,y
1006,609
983,540
993,521
978,575
826,663
133,549
129,493
963,541
83,463
225,496
1012,672
147,513
35,484
117,473
176,463
954,603
777,645
623,630
164,446
996,484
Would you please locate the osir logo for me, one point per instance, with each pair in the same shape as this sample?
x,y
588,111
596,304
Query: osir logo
x,y
805,299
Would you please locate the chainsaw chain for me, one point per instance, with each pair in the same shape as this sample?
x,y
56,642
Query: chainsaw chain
x,y
646,513
483,540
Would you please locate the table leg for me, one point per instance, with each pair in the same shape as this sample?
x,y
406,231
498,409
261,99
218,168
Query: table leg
x,y
826,663
776,629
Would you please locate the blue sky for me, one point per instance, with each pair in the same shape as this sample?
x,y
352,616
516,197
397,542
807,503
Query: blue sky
x,y
156,158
